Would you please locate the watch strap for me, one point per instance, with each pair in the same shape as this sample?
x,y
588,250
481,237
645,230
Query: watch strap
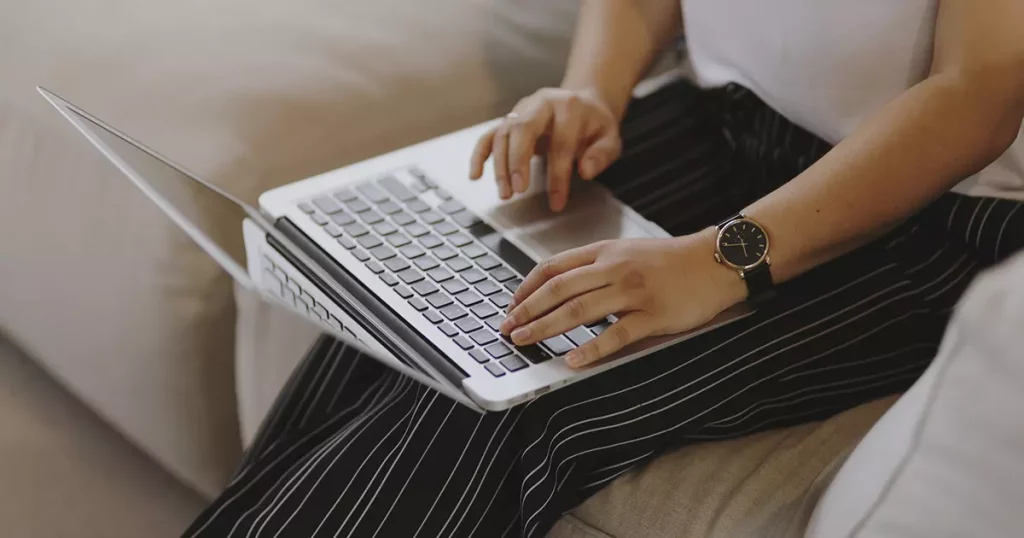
x,y
760,287
722,224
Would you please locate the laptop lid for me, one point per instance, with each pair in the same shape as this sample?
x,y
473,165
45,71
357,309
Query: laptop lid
x,y
214,219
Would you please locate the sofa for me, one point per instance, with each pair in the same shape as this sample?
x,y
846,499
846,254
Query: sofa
x,y
174,365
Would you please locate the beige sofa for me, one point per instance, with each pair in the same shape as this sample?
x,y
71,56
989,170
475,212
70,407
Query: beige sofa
x,y
119,307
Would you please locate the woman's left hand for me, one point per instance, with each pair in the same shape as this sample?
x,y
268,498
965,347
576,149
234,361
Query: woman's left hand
x,y
654,286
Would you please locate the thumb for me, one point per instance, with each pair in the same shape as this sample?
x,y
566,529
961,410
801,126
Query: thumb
x,y
600,154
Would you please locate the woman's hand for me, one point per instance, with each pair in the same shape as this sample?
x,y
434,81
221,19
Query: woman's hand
x,y
565,126
654,286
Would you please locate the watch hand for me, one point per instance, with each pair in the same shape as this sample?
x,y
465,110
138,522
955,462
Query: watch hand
x,y
744,245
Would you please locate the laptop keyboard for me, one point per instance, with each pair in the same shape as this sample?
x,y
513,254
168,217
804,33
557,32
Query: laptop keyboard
x,y
449,265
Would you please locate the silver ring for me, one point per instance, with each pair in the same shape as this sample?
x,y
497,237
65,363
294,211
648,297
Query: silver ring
x,y
512,116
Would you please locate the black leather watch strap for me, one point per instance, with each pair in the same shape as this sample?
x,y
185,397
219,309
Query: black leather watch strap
x,y
760,287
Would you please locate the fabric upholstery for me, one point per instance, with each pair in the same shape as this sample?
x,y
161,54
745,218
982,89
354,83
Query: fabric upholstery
x,y
946,459
96,284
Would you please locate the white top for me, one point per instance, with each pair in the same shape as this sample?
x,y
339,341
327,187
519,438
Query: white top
x,y
827,65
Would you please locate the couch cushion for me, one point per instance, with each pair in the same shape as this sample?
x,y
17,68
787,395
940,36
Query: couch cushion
x,y
763,485
96,284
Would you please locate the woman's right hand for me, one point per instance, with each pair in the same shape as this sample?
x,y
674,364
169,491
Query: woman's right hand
x,y
566,126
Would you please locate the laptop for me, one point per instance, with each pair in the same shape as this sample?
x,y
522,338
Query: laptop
x,y
401,256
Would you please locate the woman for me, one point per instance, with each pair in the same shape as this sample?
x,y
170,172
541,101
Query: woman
x,y
869,252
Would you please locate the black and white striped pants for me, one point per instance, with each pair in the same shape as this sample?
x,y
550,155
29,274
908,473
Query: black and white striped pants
x,y
352,449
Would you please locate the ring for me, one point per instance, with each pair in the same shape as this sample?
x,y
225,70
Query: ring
x,y
512,116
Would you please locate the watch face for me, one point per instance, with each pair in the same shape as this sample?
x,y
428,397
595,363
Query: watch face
x,y
742,243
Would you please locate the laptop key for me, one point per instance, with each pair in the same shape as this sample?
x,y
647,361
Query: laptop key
x,y
370,241
459,239
431,217
424,288
416,229
417,206
332,230
442,194
371,217
355,229
454,286
357,205
426,263
513,363
453,312
534,353
502,274
422,176
319,219
513,285
306,208
444,252
433,317
389,207
410,276
343,218
450,206
327,204
448,330
601,327
580,335
345,195
439,300
396,188
498,350
361,255
396,264
468,298
473,276
445,228
403,219
384,228
487,287
479,356
559,345
398,240
463,342
483,311
403,292
483,337
494,369
468,325
382,253
371,192
440,274
431,241
474,251
375,267
389,279
501,300
458,264
466,219
494,322
488,263
412,251
418,304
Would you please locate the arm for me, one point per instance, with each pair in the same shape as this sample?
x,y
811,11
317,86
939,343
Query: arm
x,y
949,126
963,116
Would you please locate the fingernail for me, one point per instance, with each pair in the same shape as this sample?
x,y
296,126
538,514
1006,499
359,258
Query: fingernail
x,y
574,358
521,334
517,182
556,203
503,191
590,168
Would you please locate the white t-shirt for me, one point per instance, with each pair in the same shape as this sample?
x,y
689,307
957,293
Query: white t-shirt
x,y
828,64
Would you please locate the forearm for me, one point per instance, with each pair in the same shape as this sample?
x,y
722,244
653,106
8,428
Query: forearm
x,y
907,155
614,43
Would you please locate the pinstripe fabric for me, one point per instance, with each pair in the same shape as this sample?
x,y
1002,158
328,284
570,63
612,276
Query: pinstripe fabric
x,y
352,449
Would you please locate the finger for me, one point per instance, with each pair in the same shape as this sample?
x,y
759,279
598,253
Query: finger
x,y
571,314
499,149
625,331
481,152
522,142
552,267
554,292
565,137
600,154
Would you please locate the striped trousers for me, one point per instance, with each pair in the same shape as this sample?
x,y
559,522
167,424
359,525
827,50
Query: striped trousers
x,y
353,449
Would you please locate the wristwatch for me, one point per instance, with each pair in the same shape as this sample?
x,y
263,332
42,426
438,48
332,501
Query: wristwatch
x,y
742,245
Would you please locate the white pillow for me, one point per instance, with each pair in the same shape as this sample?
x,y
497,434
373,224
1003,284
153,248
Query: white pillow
x,y
948,457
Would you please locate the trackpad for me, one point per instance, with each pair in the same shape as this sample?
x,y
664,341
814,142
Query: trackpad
x,y
591,215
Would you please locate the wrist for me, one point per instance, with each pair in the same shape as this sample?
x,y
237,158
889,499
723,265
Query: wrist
x,y
727,281
616,104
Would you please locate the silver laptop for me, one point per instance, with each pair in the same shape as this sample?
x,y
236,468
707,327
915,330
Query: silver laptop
x,y
400,255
